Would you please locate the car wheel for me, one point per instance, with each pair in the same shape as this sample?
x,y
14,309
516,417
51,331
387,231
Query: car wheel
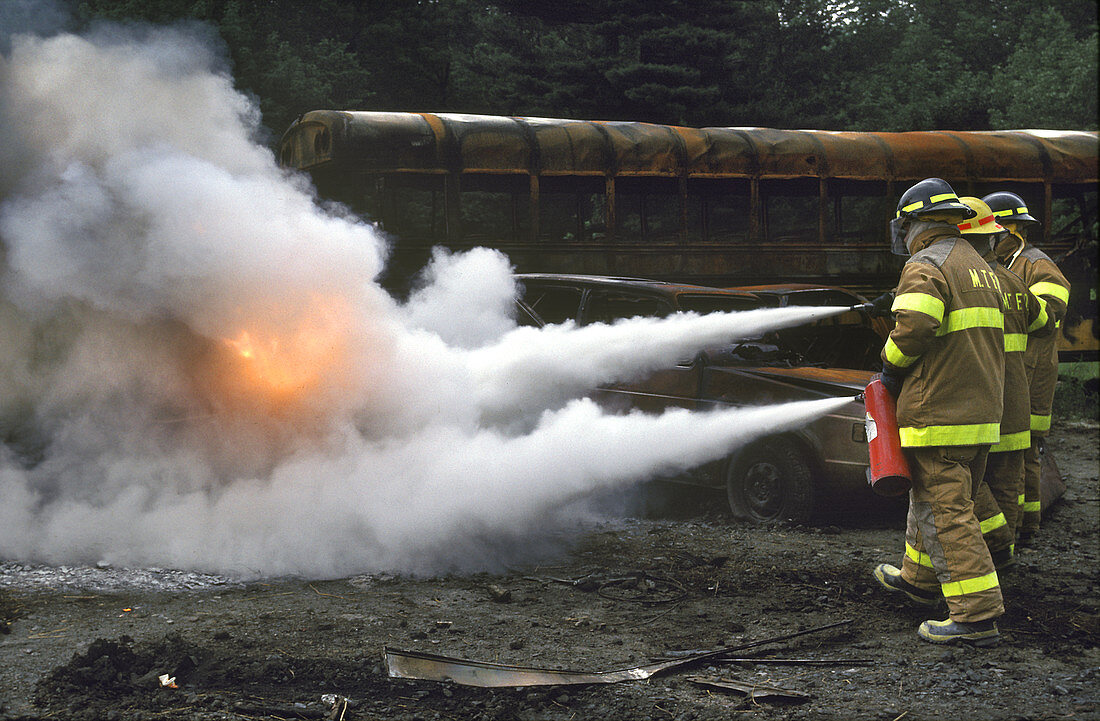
x,y
770,482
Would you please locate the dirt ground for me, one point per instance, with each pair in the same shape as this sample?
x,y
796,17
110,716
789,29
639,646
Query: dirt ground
x,y
91,643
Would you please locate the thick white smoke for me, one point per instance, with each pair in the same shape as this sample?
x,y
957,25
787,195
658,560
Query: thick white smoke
x,y
199,370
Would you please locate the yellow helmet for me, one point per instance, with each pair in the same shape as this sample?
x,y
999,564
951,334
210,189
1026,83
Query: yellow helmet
x,y
983,223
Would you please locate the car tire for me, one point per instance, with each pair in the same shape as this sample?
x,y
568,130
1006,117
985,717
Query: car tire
x,y
770,482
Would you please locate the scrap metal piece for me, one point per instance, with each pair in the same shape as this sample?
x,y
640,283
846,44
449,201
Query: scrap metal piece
x,y
765,660
798,661
430,667
338,706
754,691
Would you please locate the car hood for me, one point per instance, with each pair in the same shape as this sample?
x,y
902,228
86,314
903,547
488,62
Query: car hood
x,y
830,381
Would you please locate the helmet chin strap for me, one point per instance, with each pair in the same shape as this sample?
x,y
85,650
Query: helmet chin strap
x,y
1018,251
1009,232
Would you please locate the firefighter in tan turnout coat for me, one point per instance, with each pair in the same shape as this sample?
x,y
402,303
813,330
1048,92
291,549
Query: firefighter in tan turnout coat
x,y
1025,320
1044,280
944,362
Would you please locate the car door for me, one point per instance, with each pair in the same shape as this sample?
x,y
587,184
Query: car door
x,y
669,387
552,302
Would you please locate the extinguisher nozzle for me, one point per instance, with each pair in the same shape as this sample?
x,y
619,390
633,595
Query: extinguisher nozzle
x,y
861,397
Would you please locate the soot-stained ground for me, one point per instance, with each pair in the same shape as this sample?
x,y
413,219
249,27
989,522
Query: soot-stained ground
x,y
92,643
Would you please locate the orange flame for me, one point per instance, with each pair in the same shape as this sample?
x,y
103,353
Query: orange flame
x,y
266,364
291,364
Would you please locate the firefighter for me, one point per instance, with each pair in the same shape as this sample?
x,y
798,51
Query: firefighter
x,y
1044,280
944,363
1025,318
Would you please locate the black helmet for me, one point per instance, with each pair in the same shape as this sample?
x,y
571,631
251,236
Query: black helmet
x,y
929,196
932,195
1008,206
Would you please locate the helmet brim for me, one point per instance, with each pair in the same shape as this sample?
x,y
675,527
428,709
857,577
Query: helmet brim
x,y
1013,218
949,209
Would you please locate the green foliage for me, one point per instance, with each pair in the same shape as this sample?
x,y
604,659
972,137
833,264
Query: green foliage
x,y
1075,399
1049,77
830,64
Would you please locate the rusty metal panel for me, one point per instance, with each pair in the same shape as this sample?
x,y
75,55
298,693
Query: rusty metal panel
x,y
1072,153
571,147
388,142
720,152
489,144
858,156
787,153
309,146
644,149
919,155
1003,156
380,142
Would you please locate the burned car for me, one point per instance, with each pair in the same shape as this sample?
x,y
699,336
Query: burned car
x,y
778,478
556,298
851,340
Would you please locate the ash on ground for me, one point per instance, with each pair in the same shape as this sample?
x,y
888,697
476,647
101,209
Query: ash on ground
x,y
95,643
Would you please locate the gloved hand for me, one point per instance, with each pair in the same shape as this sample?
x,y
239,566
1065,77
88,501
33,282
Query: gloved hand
x,y
892,383
881,306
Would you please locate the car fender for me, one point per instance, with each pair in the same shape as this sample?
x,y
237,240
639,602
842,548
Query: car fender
x,y
803,438
742,387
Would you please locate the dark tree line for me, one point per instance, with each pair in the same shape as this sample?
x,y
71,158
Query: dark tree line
x,y
828,64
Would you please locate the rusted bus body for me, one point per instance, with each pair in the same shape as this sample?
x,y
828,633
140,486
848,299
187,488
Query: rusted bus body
x,y
713,206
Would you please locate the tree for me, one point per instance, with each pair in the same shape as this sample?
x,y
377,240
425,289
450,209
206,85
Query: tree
x,y
1049,80
831,64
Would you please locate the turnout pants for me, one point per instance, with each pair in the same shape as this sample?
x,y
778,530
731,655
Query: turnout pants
x,y
944,548
997,502
1031,508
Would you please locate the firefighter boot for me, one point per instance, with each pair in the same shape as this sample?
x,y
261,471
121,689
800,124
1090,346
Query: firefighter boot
x,y
890,579
1003,559
976,633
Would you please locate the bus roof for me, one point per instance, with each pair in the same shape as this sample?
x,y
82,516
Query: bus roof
x,y
379,142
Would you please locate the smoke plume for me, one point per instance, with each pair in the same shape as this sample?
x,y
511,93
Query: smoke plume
x,y
200,371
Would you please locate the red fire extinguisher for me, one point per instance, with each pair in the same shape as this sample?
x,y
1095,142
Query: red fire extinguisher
x,y
889,472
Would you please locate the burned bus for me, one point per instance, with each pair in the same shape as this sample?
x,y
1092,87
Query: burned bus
x,y
710,206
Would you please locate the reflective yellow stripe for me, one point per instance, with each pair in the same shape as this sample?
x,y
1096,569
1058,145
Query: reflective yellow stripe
x,y
1002,213
1040,423
1033,506
994,523
963,435
921,559
1020,500
1041,320
943,196
1012,442
1015,342
911,206
1046,288
966,318
922,302
970,585
895,357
